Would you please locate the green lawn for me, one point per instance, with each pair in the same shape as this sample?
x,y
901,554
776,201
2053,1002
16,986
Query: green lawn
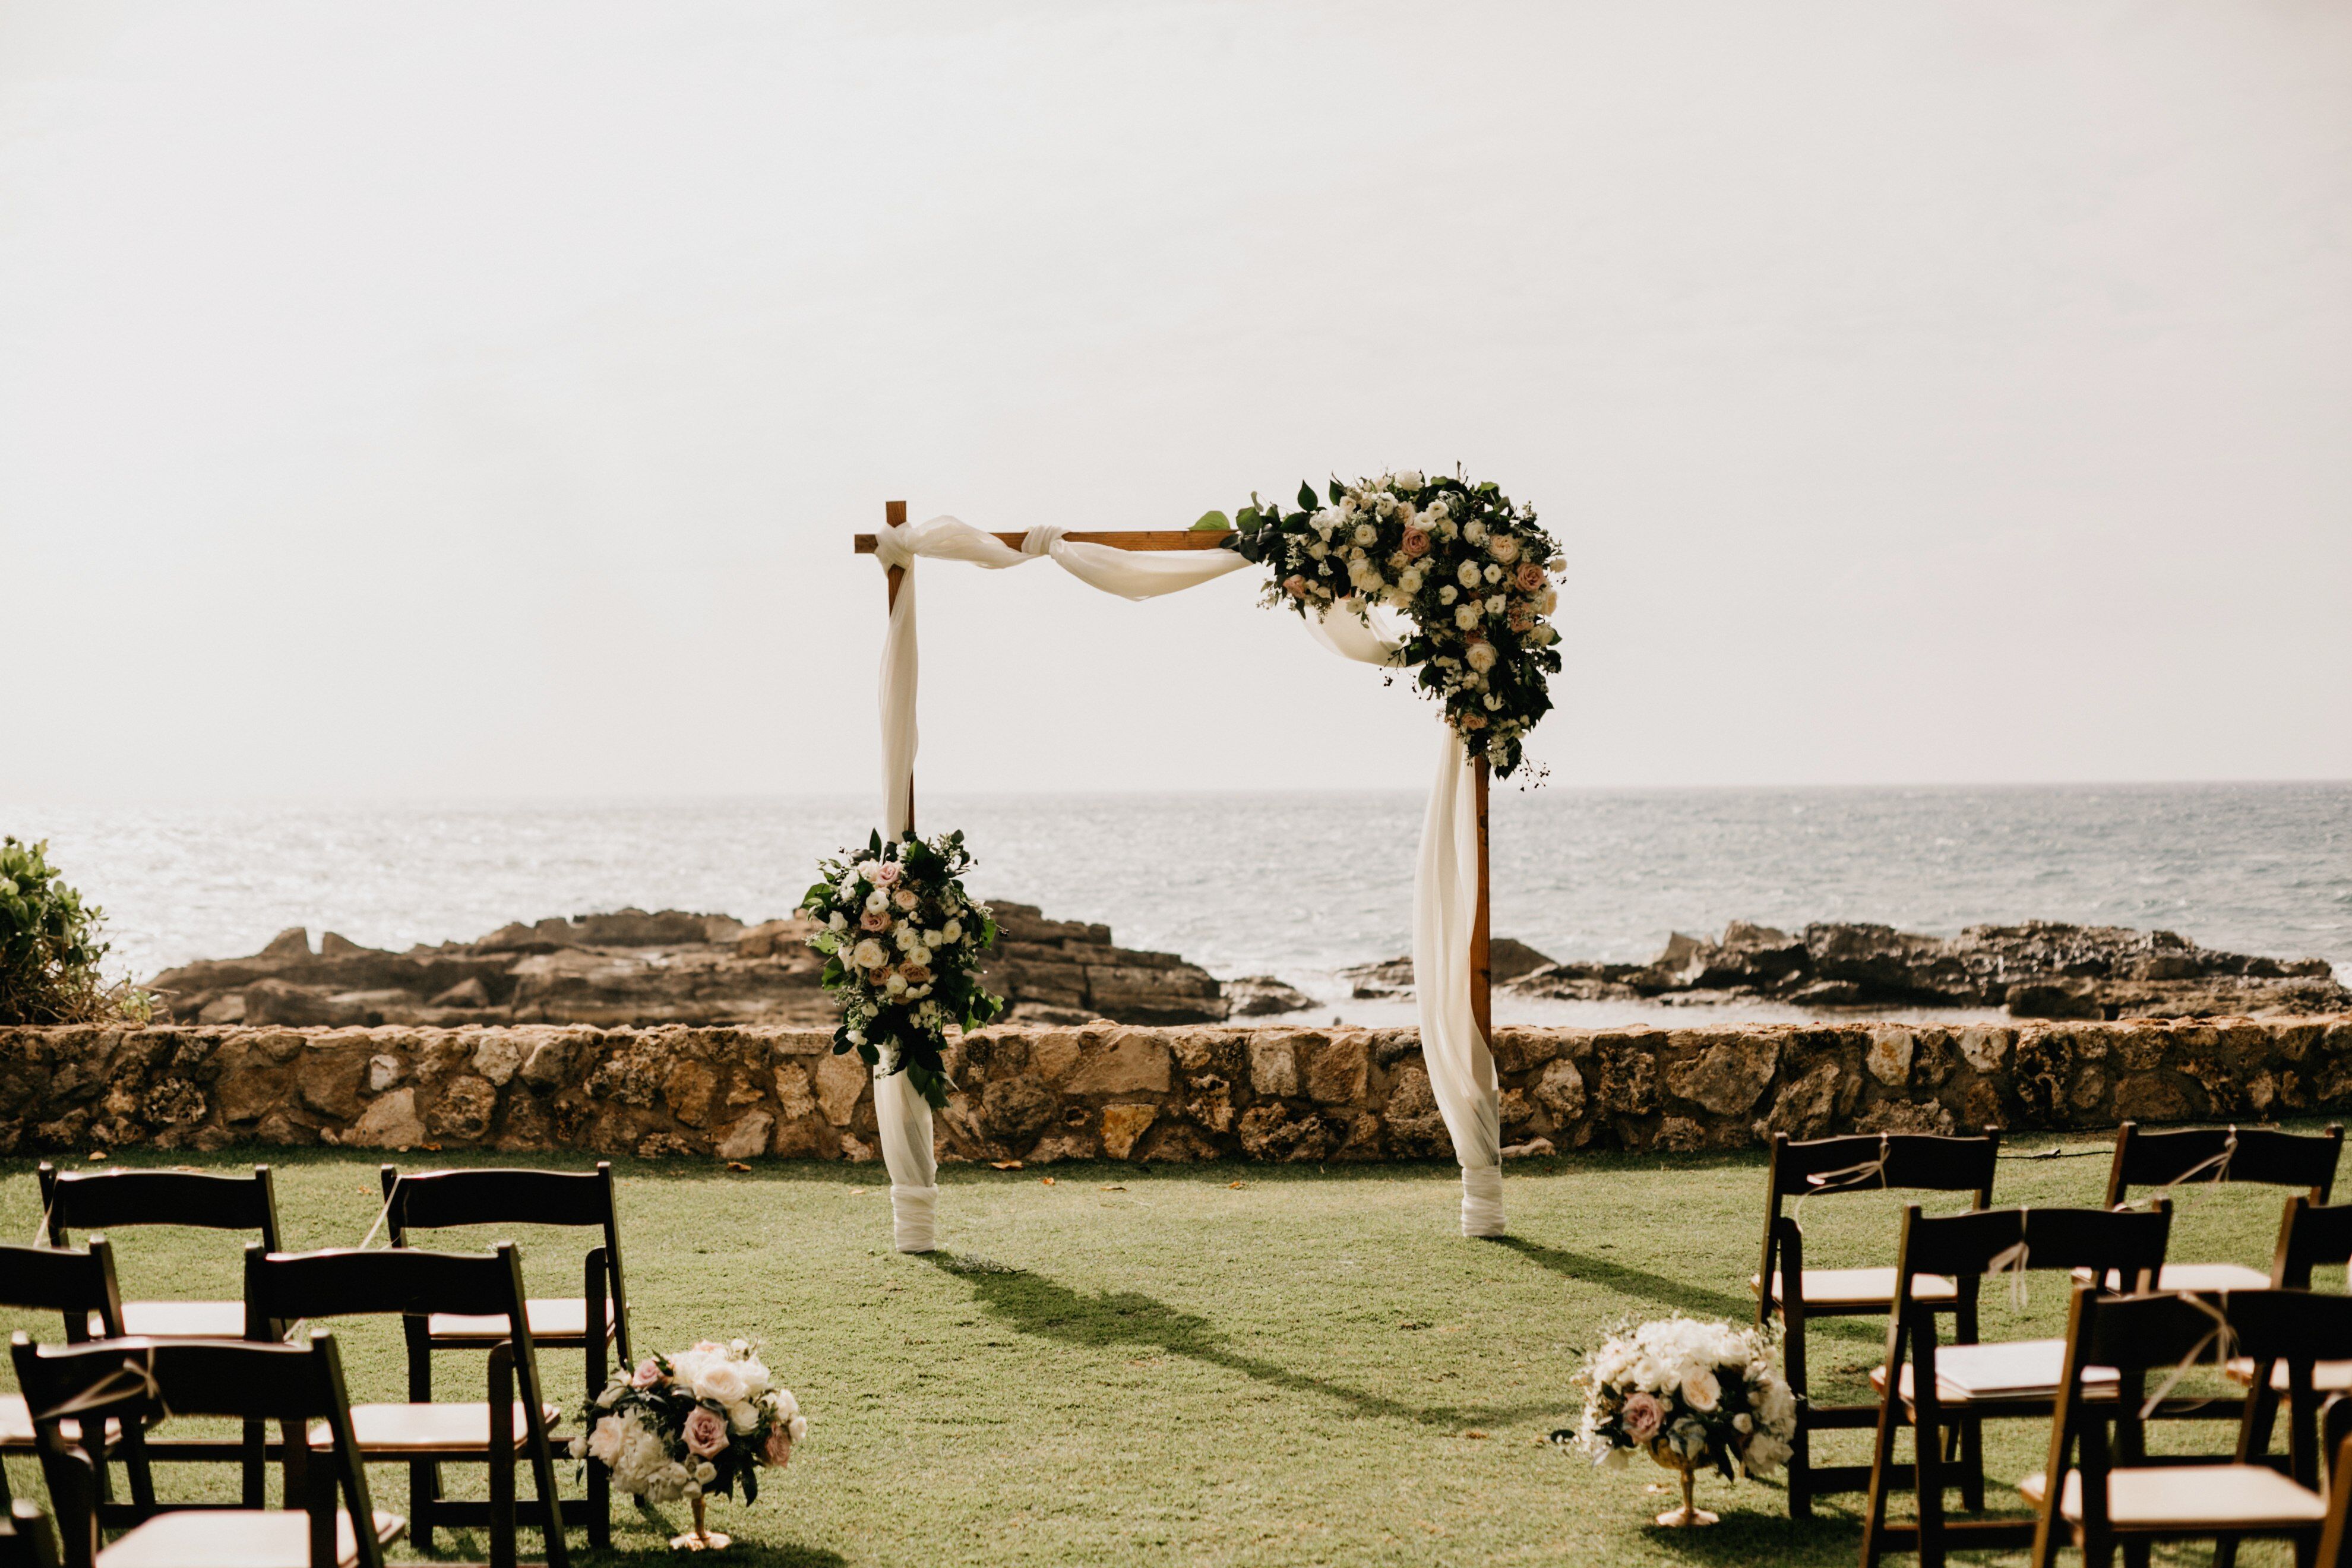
x,y
1213,1364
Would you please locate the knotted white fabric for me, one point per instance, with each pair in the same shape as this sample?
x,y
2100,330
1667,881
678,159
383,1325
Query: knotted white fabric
x,y
1445,884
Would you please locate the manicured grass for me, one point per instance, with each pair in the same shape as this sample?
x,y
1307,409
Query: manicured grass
x,y
1212,1364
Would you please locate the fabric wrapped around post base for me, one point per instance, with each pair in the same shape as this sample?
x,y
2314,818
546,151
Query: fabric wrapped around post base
x,y
1482,1200
912,1210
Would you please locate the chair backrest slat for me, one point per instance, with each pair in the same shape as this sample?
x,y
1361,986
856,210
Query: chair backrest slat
x,y
438,1200
407,1281
1918,1161
2130,1243
2266,1155
2311,1236
74,1282
110,1200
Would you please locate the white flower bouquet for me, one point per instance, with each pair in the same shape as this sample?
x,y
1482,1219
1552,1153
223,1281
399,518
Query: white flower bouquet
x,y
903,943
1693,1395
1472,571
681,1427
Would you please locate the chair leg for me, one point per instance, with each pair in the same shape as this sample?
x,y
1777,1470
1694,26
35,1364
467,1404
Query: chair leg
x,y
1882,1461
1927,1458
1801,1464
2136,1552
599,1507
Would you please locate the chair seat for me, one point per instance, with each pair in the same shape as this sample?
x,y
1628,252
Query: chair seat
x,y
2191,1498
560,1317
2196,1276
401,1429
2005,1372
236,1538
2327,1377
181,1319
17,1424
1860,1288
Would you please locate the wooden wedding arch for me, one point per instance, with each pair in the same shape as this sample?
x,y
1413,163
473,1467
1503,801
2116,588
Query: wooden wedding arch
x,y
1482,999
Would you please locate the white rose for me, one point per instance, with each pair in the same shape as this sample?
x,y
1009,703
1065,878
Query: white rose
x,y
837,922
1547,601
1410,478
1494,572
706,1472
896,986
868,954
604,1440
1701,1392
1493,703
1469,575
1410,581
1448,593
1495,605
799,1428
1367,534
1482,656
878,900
1439,508
952,931
720,1381
744,1417
1326,520
1474,530
1465,617
1318,551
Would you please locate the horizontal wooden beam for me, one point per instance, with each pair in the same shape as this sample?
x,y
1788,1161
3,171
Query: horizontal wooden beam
x,y
1134,539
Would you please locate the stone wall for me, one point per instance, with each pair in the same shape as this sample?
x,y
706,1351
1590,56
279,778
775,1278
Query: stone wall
x,y
1040,1094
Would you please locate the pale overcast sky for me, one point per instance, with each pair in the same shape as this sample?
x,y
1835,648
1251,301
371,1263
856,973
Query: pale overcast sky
x,y
477,399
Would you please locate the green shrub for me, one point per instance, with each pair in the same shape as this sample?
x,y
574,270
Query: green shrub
x,y
49,949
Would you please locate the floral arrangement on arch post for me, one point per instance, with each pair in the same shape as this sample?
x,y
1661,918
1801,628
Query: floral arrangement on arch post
x,y
903,943
705,1420
1693,1395
1473,571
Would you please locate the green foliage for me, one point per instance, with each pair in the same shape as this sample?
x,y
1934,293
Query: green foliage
x,y
903,944
50,948
1214,520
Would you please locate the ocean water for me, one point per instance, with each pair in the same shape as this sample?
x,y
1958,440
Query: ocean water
x,y
1296,884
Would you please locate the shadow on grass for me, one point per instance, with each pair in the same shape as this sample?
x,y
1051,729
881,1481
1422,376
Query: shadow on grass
x,y
1033,1304
1679,1294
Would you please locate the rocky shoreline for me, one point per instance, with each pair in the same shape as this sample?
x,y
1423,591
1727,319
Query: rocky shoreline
x,y
630,967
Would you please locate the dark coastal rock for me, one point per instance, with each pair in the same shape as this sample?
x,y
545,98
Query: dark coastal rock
x,y
1507,959
629,967
1263,997
2041,969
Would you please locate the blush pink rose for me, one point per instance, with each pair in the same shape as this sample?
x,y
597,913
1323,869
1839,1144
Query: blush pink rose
x,y
886,873
779,1451
1295,585
706,1433
1472,721
1641,1417
648,1372
874,920
1416,542
1530,576
917,973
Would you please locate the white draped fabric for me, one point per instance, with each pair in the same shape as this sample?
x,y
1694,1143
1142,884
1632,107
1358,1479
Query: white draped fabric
x,y
1446,885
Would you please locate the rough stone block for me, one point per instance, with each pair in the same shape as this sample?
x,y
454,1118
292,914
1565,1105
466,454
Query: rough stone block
x,y
841,1081
1123,1124
1136,1061
1340,1071
1726,1078
1274,1068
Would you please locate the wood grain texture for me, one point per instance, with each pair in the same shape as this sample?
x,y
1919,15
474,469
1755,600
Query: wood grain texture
x,y
1132,538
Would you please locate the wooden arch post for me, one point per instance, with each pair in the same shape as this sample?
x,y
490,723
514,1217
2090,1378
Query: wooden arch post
x,y
1482,990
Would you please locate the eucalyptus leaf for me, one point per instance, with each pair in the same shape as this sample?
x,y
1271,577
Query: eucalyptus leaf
x,y
1215,521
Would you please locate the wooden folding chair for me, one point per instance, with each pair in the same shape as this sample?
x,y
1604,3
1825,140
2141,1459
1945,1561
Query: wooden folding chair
x,y
115,1200
1786,1286
1926,1385
2098,1491
2184,1156
2311,1236
299,1388
2335,1535
595,1322
26,1539
416,1284
79,1285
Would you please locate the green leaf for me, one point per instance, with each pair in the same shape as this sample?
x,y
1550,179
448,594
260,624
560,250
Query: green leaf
x,y
1212,519
1306,501
1338,491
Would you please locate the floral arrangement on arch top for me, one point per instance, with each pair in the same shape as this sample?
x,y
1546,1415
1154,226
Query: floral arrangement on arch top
x,y
1472,571
903,942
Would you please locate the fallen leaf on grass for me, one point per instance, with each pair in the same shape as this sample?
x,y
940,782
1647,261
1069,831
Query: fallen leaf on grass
x,y
1004,1165
1411,1323
1045,1181
737,1166
1474,1432
98,1153
1114,1189
858,1191
1235,1186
